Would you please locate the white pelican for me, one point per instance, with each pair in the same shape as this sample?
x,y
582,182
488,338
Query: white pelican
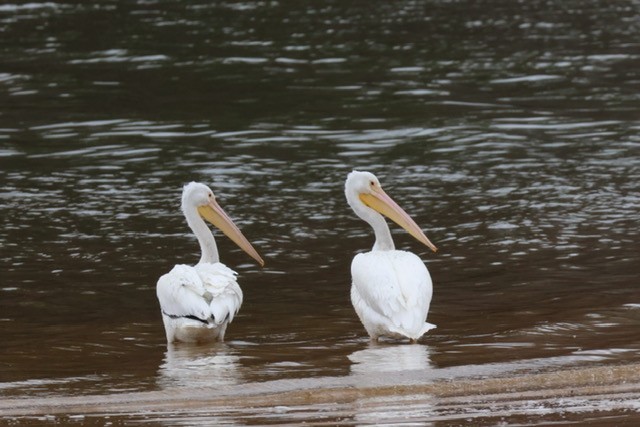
x,y
391,289
199,302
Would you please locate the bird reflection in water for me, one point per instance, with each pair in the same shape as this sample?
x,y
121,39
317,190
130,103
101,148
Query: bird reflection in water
x,y
377,358
199,366
384,365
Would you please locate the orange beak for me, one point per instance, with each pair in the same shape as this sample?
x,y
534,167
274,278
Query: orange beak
x,y
218,217
379,201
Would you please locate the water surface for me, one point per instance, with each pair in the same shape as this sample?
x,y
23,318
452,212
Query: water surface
x,y
508,130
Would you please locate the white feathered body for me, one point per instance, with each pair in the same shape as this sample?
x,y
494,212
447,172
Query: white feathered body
x,y
391,292
198,302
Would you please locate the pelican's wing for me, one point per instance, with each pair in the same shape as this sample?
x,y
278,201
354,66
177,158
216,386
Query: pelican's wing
x,y
180,293
395,285
222,290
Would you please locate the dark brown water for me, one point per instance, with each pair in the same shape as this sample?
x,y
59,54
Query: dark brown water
x,y
508,130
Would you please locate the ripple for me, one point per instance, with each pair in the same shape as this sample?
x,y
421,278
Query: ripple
x,y
535,78
422,92
27,6
119,55
244,60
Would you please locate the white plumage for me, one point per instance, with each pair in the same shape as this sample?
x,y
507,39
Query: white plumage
x,y
198,302
391,290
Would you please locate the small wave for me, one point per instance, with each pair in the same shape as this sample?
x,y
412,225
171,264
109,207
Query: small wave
x,y
535,78
27,6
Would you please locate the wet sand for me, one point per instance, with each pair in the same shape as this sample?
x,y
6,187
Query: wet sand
x,y
603,395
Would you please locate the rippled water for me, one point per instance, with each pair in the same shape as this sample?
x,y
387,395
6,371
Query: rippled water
x,y
508,130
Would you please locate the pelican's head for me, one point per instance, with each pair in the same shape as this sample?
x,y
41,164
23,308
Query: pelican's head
x,y
200,197
361,182
196,194
363,191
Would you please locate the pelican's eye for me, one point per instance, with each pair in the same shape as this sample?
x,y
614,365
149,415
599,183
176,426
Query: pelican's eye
x,y
372,183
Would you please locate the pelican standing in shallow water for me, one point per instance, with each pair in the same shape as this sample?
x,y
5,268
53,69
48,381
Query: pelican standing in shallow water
x,y
198,302
391,289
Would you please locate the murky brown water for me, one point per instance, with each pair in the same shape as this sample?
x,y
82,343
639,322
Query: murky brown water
x,y
509,131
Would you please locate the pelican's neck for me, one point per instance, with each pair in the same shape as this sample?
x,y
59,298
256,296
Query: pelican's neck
x,y
383,242
208,245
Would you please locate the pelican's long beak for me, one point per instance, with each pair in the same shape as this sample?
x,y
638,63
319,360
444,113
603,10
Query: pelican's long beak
x,y
379,201
218,217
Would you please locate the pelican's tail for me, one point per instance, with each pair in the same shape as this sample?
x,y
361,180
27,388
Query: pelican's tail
x,y
427,327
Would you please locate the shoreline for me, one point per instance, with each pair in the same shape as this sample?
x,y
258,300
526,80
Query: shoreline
x,y
600,388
